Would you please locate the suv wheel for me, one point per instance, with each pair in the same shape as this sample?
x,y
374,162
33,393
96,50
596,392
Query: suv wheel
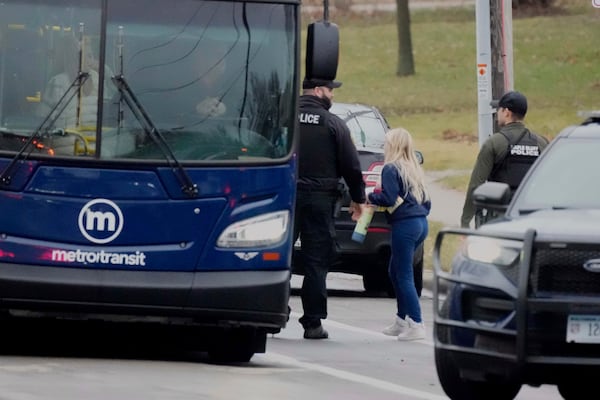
x,y
377,280
458,388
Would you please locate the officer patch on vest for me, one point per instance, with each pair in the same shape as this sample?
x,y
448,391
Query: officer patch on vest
x,y
525,150
520,155
307,118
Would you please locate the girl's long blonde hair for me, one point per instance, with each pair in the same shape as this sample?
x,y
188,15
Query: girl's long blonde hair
x,y
399,151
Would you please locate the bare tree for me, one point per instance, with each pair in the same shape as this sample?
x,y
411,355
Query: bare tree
x,y
406,64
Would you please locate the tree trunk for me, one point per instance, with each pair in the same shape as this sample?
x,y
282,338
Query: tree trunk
x,y
406,65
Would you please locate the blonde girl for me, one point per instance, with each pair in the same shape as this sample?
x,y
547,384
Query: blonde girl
x,y
404,193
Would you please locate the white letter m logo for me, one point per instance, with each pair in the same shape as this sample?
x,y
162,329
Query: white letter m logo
x,y
96,220
100,221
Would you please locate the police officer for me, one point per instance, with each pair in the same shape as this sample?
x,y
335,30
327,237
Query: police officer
x,y
326,153
507,154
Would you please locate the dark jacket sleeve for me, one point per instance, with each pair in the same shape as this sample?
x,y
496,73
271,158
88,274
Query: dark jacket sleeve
x,y
391,188
542,141
481,171
348,163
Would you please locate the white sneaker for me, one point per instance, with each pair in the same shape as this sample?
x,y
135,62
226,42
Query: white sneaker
x,y
396,328
413,331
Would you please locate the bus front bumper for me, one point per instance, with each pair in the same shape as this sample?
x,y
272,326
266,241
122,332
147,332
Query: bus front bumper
x,y
214,298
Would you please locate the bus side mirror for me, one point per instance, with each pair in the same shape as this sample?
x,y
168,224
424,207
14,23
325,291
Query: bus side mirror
x,y
322,50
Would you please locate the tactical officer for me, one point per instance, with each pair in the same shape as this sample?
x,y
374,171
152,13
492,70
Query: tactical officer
x,y
507,154
326,153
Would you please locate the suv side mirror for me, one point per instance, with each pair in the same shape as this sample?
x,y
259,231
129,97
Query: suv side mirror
x,y
491,200
492,195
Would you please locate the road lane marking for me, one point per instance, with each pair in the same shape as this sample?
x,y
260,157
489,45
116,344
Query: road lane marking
x,y
352,377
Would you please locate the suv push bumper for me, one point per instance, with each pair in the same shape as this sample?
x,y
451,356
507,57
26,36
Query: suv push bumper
x,y
530,342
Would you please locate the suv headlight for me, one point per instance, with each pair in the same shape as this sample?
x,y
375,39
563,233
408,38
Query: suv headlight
x,y
500,252
264,230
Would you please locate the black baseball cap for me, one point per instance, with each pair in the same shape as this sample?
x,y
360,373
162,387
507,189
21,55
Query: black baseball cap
x,y
313,83
514,101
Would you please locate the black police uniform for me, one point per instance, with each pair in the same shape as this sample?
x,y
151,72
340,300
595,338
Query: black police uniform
x,y
326,153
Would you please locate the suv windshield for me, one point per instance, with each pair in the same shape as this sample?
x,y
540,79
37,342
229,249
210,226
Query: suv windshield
x,y
216,79
564,178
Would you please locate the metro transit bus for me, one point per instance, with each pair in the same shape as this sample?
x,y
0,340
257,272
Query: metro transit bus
x,y
148,163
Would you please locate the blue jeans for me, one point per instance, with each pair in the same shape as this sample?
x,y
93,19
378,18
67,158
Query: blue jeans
x,y
407,235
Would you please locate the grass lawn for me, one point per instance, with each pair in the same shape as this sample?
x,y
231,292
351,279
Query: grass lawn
x,y
555,66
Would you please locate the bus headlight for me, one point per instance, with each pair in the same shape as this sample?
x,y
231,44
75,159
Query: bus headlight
x,y
264,230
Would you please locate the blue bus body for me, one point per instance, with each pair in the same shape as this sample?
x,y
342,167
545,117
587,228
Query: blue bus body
x,y
164,256
130,201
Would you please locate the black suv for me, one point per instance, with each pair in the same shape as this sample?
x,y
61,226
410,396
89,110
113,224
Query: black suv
x,y
522,303
369,259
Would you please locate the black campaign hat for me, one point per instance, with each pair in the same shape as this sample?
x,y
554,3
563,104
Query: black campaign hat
x,y
513,101
313,83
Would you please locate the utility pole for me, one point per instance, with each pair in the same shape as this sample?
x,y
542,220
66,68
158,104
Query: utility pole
x,y
494,59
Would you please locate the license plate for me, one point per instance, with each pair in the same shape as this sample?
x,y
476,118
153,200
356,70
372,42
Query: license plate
x,y
583,329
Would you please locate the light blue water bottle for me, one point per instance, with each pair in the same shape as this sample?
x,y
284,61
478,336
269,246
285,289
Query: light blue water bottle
x,y
362,225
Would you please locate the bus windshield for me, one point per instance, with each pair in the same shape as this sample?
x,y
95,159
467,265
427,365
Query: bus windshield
x,y
212,80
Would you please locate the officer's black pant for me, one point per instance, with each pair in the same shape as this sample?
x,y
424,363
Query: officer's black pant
x,y
314,223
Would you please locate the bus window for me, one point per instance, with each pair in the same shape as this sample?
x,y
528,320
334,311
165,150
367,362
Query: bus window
x,y
41,54
215,91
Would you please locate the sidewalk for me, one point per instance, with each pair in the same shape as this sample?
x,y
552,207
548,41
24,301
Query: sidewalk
x,y
446,204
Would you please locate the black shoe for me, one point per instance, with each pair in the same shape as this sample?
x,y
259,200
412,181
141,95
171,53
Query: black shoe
x,y
317,332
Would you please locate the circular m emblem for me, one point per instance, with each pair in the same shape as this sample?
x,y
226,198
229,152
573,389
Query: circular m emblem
x,y
100,221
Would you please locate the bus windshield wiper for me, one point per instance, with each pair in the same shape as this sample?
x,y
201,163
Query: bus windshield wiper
x,y
48,122
187,186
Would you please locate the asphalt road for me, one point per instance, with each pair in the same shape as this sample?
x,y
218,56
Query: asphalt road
x,y
356,363
358,352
